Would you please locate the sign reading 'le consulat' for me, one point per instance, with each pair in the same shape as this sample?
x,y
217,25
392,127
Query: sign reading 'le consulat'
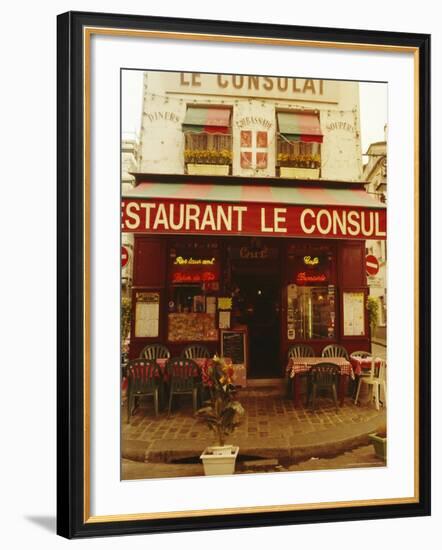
x,y
169,216
325,91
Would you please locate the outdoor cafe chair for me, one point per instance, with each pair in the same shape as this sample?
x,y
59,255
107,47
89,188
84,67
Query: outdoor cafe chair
x,y
323,376
362,355
298,350
184,378
155,351
334,350
376,380
195,351
144,379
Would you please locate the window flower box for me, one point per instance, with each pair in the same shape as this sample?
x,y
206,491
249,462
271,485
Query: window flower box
x,y
299,173
208,169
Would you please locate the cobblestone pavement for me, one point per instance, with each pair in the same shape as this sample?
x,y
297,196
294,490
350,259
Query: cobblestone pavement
x,y
269,415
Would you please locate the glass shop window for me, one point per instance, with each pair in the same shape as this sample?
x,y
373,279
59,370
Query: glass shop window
x,y
311,312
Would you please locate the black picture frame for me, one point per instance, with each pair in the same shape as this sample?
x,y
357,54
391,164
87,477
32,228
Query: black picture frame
x,y
73,520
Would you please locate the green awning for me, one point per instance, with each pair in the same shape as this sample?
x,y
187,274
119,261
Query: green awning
x,y
300,127
207,119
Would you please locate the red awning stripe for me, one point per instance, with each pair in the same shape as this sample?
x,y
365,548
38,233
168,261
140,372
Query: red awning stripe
x,y
187,190
218,117
311,139
255,193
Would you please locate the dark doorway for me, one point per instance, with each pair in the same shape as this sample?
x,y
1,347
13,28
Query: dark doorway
x,y
259,289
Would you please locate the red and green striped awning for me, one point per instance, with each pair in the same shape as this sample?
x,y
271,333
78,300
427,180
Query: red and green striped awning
x,y
307,196
300,127
253,210
210,120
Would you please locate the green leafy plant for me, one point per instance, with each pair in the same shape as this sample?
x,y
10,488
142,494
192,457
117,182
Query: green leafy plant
x,y
222,411
373,312
126,313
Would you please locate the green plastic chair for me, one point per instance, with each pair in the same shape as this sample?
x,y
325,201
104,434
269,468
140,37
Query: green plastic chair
x,y
144,379
335,350
184,377
155,351
298,350
195,351
323,376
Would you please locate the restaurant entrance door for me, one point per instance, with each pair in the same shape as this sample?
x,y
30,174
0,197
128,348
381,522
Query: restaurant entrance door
x,y
259,287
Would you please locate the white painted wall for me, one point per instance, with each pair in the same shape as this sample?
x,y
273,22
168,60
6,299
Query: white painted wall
x,y
166,99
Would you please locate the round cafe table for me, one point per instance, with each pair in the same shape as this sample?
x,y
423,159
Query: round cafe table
x,y
361,365
299,365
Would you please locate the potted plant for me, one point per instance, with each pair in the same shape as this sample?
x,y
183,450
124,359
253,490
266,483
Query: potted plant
x,y
379,440
221,414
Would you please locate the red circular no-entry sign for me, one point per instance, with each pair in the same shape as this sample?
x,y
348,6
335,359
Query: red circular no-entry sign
x,y
124,256
371,265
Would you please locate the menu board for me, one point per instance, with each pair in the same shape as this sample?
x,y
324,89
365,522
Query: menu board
x,y
147,314
354,313
234,345
192,327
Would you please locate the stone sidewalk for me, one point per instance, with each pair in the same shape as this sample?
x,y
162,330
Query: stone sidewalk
x,y
271,428
361,457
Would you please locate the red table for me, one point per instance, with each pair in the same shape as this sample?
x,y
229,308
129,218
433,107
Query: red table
x,y
299,365
202,362
360,364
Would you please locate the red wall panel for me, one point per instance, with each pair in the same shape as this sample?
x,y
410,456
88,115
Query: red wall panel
x,y
352,264
149,262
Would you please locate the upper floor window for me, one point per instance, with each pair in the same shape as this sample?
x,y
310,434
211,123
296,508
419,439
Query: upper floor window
x,y
207,137
298,144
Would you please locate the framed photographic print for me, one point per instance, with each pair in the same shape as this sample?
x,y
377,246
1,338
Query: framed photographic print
x,y
242,299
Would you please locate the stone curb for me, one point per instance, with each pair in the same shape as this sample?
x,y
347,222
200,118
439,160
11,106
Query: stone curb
x,y
296,448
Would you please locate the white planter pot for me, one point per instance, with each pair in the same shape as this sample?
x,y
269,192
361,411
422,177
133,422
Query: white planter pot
x,y
299,173
219,461
208,169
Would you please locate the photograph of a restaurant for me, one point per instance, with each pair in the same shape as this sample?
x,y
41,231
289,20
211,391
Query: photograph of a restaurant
x,y
252,230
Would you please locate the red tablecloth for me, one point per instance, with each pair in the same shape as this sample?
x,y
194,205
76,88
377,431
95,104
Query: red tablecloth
x,y
360,364
304,364
298,365
202,362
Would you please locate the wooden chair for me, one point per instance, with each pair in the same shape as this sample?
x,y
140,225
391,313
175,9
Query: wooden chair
x,y
335,350
298,350
376,380
323,376
155,351
144,379
195,351
184,378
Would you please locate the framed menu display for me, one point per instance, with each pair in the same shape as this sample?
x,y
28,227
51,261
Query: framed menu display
x,y
354,313
147,314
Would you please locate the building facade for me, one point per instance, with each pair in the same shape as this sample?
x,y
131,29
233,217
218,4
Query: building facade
x,y
375,176
129,165
249,217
